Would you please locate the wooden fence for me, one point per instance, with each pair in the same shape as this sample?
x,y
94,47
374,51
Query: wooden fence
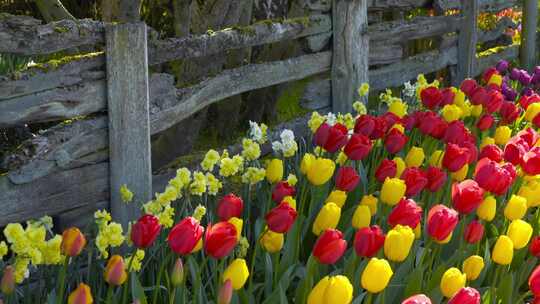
x,y
114,105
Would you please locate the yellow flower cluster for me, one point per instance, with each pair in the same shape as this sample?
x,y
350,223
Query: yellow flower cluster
x,y
136,263
251,149
253,175
110,234
292,179
125,194
198,186
363,90
210,160
243,247
199,213
213,184
347,120
231,166
359,107
315,121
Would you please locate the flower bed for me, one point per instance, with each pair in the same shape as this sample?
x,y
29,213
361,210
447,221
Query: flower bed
x,y
435,200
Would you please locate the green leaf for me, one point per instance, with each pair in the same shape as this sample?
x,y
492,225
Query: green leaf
x,y
137,290
268,274
360,298
282,296
505,289
51,299
414,284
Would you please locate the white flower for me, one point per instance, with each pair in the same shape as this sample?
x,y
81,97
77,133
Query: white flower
x,y
255,131
409,90
287,146
331,119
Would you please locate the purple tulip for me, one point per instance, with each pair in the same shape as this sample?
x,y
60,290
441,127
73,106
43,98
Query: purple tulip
x,y
525,78
527,92
515,74
502,66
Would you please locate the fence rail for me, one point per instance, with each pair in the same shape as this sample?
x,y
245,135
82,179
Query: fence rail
x,y
66,169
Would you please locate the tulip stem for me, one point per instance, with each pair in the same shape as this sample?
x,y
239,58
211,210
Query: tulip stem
x,y
109,294
160,274
126,287
525,295
62,281
494,284
369,298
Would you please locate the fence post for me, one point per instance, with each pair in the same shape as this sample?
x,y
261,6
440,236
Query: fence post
x,y
468,37
528,35
129,122
350,52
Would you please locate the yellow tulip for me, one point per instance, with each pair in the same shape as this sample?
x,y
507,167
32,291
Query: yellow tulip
x,y
398,107
398,243
417,231
452,281
487,141
393,189
532,110
361,217
436,158
81,295
306,163
328,218
376,275
398,127
502,135
476,110
400,165
274,171
73,242
321,171
487,209
515,208
531,192
446,240
451,112
472,267
331,289
272,241
415,157
290,200
237,272
520,233
460,174
371,202
495,79
337,197
503,251
115,271
238,224
459,97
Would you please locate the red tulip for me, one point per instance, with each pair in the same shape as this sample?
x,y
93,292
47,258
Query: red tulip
x,y
494,102
381,127
409,121
185,235
525,100
281,218
479,96
365,125
436,179
330,246
485,122
455,157
509,112
145,231
468,86
387,168
448,96
368,241
220,239
486,76
531,161
358,147
431,97
456,133
395,141
534,248
331,138
441,221
493,177
492,152
347,179
514,150
431,124
474,232
417,299
529,135
467,196
230,206
281,190
405,213
466,295
415,179
534,281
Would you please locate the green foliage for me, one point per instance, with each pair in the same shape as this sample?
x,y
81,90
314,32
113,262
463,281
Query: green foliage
x,y
12,63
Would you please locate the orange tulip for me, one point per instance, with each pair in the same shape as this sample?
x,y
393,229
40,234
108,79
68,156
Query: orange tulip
x,y
115,272
73,242
8,280
81,295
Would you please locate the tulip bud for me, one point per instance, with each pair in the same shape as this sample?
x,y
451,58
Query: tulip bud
x,y
220,239
328,218
281,190
368,241
237,273
534,249
272,241
73,242
81,295
177,273
225,293
474,232
466,295
347,179
486,210
115,272
531,192
332,289
415,157
441,221
370,201
502,135
321,171
329,247
337,197
393,189
361,217
274,171
358,147
307,162
376,275
436,158
460,174
406,213
400,165
515,208
452,281
472,267
145,231
387,168
8,280
281,218
230,206
185,236
417,299
520,233
398,243
503,251
467,196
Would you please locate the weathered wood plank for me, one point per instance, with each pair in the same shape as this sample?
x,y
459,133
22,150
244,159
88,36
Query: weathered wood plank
x,y
484,62
467,39
528,35
128,103
402,4
485,5
350,52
